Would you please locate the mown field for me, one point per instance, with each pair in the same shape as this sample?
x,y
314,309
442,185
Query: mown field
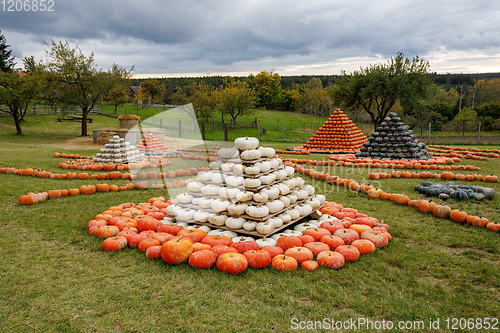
x,y
56,278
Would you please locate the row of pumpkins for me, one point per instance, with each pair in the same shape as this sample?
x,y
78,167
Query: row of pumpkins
x,y
246,189
394,140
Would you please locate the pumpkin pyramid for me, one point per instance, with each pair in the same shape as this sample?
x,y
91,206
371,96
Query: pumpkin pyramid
x,y
150,145
247,190
117,150
338,134
393,140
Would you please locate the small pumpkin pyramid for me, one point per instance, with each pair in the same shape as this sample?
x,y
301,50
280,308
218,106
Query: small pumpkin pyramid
x,y
117,150
393,140
337,134
150,145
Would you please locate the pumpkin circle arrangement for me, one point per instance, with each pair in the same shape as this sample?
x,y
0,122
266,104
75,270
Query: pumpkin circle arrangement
x,y
394,140
308,245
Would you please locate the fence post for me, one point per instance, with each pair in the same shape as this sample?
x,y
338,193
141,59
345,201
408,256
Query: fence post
x,y
161,125
180,129
213,124
203,130
429,132
283,135
258,130
479,132
225,132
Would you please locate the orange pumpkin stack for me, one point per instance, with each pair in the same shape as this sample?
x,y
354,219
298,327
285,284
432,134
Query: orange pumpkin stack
x,y
151,145
337,134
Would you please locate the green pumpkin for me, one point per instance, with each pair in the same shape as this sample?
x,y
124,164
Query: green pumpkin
x,y
488,193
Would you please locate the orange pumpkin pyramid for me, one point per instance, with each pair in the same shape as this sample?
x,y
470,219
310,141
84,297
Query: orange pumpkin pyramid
x,y
337,134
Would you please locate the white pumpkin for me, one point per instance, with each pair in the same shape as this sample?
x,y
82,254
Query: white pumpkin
x,y
304,209
227,167
246,143
260,197
235,222
252,170
264,166
301,194
285,201
201,216
266,242
215,232
275,163
286,218
284,189
234,181
267,179
184,198
220,205
228,193
272,192
264,227
250,155
327,217
276,221
194,186
184,214
217,178
294,213
301,227
313,202
228,153
238,168
182,224
321,198
252,182
237,209
257,211
218,219
168,220
249,225
300,181
171,209
291,183
244,196
210,190
241,239
280,175
289,232
205,176
289,170
309,189
205,202
267,151
215,165
316,223
292,197
275,206
229,233
278,235
196,226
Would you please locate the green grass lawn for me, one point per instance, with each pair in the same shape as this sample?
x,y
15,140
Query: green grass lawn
x,y
56,278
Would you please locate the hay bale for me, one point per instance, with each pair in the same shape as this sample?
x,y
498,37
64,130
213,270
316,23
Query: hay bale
x,y
128,120
103,137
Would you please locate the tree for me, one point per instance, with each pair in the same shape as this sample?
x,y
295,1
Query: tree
x,y
76,78
153,88
266,86
377,88
201,95
118,93
235,100
17,90
6,61
465,117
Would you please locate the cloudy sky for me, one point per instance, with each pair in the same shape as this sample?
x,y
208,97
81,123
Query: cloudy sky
x,y
239,37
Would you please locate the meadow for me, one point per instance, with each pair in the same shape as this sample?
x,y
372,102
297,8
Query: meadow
x,y
56,278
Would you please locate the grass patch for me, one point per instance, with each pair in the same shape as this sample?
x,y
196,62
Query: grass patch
x,y
55,277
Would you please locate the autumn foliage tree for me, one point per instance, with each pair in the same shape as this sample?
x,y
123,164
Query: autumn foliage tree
x,y
377,88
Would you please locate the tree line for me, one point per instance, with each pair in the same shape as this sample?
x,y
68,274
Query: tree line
x,y
69,78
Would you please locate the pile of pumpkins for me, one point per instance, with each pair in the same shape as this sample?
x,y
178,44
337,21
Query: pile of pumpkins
x,y
393,140
150,145
459,192
247,190
119,151
338,134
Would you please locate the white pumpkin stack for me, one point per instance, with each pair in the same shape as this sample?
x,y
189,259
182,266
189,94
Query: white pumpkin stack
x,y
247,190
118,151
